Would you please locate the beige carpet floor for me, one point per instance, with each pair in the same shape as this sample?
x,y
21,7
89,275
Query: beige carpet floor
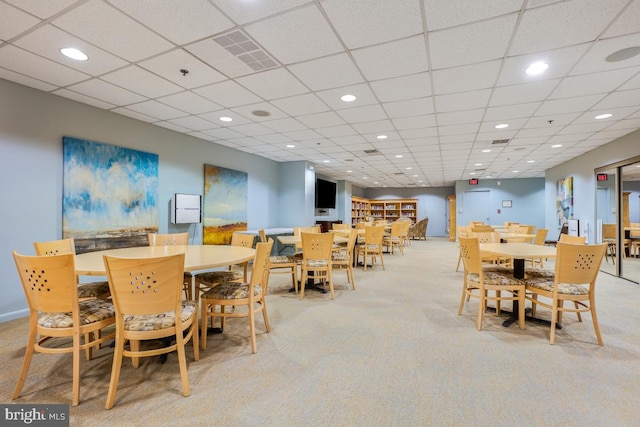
x,y
393,352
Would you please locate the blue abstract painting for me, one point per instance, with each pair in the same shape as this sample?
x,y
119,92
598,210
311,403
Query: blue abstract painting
x,y
110,195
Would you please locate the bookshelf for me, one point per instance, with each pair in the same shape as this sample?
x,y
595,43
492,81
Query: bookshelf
x,y
389,209
360,210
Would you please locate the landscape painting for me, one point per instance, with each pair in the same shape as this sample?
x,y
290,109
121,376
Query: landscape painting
x,y
109,195
225,204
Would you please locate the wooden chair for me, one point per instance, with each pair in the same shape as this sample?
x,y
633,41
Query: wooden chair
x,y
147,295
282,264
575,240
337,226
372,246
49,284
477,283
574,281
609,232
343,259
209,279
317,249
250,295
394,239
91,290
174,239
540,239
462,231
404,233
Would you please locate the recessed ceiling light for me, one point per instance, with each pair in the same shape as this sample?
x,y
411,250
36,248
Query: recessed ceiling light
x,y
502,126
398,156
291,146
365,177
225,119
472,173
348,98
515,171
382,136
531,161
556,146
486,151
409,168
623,54
349,171
326,161
603,116
73,53
376,182
537,68
478,164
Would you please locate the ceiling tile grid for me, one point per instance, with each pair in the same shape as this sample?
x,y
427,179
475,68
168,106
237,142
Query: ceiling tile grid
x,y
431,78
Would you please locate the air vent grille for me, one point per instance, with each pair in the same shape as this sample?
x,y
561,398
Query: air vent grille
x,y
500,141
372,151
239,45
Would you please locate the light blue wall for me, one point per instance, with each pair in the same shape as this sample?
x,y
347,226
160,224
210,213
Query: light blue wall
x,y
32,124
525,195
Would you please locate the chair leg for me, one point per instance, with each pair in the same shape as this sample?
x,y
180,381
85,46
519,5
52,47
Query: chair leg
x,y
521,312
252,329
26,362
481,307
554,319
75,394
203,325
263,303
115,373
303,280
182,362
463,297
330,274
594,318
135,346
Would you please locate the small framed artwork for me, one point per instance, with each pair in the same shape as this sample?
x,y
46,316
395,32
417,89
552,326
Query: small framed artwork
x,y
506,203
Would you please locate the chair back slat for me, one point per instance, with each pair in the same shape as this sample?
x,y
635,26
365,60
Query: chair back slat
x,y
49,282
171,239
145,285
578,264
55,247
470,254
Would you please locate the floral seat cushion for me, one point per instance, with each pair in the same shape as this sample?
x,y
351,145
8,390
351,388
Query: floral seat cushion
x,y
563,288
91,311
219,276
540,272
94,290
231,290
282,259
152,322
492,278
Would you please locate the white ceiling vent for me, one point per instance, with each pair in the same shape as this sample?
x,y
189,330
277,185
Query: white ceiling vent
x,y
242,47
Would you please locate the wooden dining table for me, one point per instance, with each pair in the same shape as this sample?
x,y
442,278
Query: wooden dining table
x,y
197,257
518,252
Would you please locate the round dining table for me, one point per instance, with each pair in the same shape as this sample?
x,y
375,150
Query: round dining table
x,y
197,257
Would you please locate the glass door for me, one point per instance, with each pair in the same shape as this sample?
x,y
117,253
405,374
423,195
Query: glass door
x,y
630,263
606,218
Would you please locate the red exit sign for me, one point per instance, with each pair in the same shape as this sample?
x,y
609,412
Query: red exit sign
x,y
473,181
602,177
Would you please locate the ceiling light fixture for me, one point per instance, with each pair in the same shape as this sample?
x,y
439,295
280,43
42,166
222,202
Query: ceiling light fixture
x,y
603,116
472,173
409,168
531,161
486,151
73,53
398,156
382,136
291,146
348,98
556,146
516,171
478,164
225,119
537,68
502,126
623,54
349,171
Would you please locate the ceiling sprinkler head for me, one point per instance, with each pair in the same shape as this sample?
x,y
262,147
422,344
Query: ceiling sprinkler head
x,y
184,71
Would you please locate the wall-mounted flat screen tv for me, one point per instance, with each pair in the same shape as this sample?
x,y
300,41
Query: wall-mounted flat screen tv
x,y
325,194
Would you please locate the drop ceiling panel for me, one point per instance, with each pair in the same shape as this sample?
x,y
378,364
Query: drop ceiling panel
x,y
461,45
623,98
180,22
141,81
626,23
278,83
227,93
563,24
414,122
302,104
82,98
25,80
14,21
401,19
320,120
462,101
284,125
168,65
393,59
247,112
523,93
107,92
157,110
327,73
511,112
190,103
332,97
106,27
400,88
452,13
569,105
240,13
214,117
313,36
41,8
143,117
192,123
593,83
37,67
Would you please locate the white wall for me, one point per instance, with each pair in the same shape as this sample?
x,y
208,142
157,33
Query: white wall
x,y
32,124
582,169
